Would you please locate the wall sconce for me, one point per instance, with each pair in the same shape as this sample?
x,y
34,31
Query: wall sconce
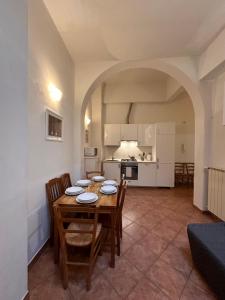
x,y
54,93
87,121
182,147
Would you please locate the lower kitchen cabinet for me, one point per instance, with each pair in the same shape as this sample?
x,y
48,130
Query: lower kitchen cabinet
x,y
165,175
112,170
146,174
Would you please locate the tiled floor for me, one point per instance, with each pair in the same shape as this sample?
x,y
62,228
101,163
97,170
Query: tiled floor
x,y
155,262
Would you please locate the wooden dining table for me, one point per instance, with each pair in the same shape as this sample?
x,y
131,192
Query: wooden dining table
x,y
106,204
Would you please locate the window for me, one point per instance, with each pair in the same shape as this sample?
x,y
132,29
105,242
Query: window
x,y
54,127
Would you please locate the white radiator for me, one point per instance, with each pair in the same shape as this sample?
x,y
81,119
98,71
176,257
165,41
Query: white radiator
x,y
216,192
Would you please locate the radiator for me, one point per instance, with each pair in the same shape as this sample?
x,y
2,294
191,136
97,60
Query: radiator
x,y
216,192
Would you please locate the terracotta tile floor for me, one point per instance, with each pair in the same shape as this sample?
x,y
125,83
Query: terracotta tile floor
x,y
155,262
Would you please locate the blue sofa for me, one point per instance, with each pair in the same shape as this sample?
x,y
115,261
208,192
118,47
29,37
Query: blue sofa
x,y
207,243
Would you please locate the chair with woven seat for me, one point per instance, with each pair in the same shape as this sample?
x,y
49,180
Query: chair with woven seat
x,y
105,220
190,173
180,173
66,181
81,241
90,174
54,191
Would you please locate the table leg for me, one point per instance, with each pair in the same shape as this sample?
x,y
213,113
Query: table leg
x,y
112,261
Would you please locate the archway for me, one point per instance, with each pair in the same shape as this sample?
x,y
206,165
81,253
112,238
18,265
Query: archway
x,y
183,72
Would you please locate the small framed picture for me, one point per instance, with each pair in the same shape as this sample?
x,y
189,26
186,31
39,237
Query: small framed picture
x,y
54,126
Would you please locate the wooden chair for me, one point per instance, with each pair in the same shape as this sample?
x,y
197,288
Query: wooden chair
x,y
66,181
119,227
190,173
81,241
105,220
90,174
179,173
54,190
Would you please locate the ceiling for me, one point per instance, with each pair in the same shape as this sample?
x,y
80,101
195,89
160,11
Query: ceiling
x,y
133,76
134,29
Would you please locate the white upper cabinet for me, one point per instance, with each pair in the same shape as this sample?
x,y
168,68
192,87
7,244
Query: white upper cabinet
x,y
165,128
129,132
146,134
112,135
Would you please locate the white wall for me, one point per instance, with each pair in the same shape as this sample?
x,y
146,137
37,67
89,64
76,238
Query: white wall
x,y
96,120
49,61
217,144
213,57
13,150
154,91
179,111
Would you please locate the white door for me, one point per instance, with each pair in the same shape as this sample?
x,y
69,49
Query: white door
x,y
129,132
112,170
146,174
146,134
112,134
165,175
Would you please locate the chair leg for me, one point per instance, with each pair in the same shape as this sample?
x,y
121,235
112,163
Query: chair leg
x,y
121,227
64,268
118,241
51,239
88,283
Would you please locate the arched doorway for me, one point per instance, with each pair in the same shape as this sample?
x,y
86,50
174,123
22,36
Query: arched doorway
x,y
183,72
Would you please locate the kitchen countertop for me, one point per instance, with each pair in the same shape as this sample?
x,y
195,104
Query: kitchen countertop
x,y
138,161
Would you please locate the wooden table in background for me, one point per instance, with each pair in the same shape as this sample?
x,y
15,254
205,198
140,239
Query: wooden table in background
x,y
106,204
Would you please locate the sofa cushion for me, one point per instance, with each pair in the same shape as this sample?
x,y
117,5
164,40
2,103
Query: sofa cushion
x,y
212,236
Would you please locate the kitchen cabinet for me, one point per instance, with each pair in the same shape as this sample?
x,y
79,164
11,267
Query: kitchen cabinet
x,y
165,148
112,135
165,175
146,134
165,154
129,132
146,174
112,170
165,128
91,164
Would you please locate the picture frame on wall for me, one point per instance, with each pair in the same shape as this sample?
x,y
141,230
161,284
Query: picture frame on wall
x,y
53,126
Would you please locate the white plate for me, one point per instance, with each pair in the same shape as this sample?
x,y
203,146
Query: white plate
x,y
86,197
74,190
110,182
108,189
83,182
87,202
98,178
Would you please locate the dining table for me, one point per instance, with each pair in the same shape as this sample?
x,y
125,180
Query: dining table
x,y
106,204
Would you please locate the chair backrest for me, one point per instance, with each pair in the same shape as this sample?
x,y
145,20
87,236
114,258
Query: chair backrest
x,y
66,214
190,168
90,174
54,190
121,195
179,168
120,186
66,181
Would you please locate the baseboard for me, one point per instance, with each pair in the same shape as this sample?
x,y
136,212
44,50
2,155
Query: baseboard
x,y
26,296
37,255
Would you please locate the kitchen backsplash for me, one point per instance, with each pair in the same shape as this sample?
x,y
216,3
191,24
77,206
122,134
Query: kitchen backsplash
x,y
126,149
